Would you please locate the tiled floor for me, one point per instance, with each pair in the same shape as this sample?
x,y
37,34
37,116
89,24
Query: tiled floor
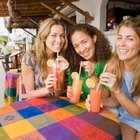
x,y
2,78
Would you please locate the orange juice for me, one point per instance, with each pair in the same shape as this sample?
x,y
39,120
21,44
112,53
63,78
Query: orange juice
x,y
56,71
58,77
76,90
95,99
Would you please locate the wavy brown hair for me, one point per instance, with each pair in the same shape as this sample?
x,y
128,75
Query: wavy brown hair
x,y
116,66
39,49
103,49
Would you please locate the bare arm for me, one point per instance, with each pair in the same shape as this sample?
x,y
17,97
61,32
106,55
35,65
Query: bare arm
x,y
104,91
28,80
132,107
110,102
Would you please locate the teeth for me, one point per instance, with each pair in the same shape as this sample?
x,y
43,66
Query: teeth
x,y
85,54
123,51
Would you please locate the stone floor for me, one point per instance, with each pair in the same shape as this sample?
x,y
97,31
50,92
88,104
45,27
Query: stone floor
x,y
2,78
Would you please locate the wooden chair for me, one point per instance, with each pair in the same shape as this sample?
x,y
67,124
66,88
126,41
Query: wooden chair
x,y
10,63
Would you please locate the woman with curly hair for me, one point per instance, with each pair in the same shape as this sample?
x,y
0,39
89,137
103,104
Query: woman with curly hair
x,y
51,39
90,48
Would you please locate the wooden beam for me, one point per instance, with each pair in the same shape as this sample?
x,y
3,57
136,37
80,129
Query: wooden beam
x,y
86,14
29,32
33,21
59,13
33,1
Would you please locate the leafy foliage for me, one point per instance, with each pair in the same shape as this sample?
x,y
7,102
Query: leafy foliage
x,y
3,38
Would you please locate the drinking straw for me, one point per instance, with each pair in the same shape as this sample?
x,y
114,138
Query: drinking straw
x,y
79,70
99,81
57,59
57,54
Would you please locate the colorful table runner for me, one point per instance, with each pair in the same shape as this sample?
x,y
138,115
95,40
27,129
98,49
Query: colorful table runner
x,y
12,87
56,119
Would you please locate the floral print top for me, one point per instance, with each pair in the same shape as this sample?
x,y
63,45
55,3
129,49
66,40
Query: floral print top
x,y
31,61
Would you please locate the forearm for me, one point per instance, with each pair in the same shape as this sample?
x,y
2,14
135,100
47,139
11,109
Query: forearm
x,y
110,102
105,92
129,105
37,93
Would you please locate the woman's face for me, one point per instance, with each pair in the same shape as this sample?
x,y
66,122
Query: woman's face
x,y
84,45
56,38
127,44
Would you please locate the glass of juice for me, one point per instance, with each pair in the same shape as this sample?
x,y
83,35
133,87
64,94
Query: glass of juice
x,y
95,99
56,72
76,90
53,69
57,85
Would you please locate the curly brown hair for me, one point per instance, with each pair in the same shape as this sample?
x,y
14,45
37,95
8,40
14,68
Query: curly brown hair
x,y
103,49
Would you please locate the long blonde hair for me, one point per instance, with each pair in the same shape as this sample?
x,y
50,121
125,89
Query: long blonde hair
x,y
39,48
117,66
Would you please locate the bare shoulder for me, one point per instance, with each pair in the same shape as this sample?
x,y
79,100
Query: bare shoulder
x,y
26,70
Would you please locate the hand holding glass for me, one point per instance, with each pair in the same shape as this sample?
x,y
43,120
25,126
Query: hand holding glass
x,y
53,69
76,90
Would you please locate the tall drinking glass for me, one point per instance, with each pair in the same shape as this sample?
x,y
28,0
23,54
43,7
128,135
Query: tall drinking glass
x,y
76,90
56,72
95,99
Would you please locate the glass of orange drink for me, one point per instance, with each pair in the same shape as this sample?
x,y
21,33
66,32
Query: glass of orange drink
x,y
56,71
76,88
95,95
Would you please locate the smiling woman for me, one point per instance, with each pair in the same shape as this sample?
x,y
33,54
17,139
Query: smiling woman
x,y
90,46
124,82
50,40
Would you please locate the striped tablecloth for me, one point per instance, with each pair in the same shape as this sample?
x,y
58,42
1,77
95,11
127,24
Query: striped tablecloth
x,y
56,119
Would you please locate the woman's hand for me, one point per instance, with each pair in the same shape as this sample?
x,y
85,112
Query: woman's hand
x,y
69,91
88,66
88,103
62,63
110,80
50,82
